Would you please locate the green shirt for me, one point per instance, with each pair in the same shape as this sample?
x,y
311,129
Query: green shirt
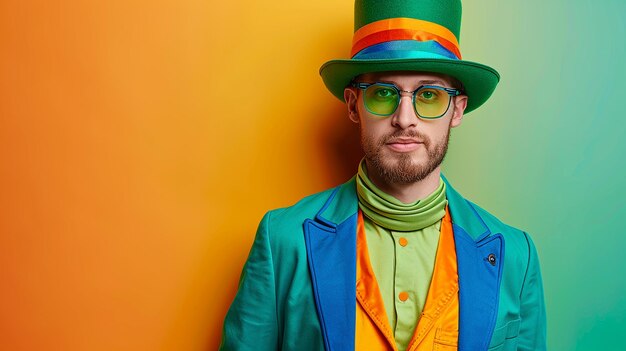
x,y
402,242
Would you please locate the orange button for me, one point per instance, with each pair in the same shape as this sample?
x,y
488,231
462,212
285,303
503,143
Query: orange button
x,y
403,296
403,242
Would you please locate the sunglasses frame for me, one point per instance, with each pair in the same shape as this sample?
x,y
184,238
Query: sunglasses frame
x,y
451,92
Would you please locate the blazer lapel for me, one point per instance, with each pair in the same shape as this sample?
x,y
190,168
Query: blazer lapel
x,y
480,255
331,252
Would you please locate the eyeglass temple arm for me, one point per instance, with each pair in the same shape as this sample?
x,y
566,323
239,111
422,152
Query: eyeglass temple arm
x,y
360,85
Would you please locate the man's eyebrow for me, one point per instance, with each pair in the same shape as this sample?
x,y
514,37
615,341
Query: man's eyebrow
x,y
436,81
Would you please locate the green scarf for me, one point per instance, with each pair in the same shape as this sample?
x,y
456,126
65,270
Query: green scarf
x,y
389,212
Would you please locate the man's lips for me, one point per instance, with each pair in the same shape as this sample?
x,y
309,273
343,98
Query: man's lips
x,y
403,144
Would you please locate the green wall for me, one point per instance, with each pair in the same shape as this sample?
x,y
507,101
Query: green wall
x,y
547,152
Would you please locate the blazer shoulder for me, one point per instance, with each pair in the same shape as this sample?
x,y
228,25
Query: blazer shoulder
x,y
284,225
307,207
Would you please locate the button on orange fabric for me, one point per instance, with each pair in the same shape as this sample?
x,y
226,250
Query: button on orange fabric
x,y
403,242
403,296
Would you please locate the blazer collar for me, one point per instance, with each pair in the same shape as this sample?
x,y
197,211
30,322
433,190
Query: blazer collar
x,y
331,253
464,215
342,204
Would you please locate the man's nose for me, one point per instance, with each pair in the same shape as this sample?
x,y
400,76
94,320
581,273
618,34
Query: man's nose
x,y
405,116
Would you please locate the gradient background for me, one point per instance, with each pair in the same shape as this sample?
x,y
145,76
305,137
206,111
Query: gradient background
x,y
142,141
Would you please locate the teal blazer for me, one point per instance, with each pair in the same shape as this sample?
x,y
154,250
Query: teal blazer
x,y
297,290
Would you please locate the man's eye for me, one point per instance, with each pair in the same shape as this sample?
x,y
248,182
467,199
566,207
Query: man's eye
x,y
428,95
384,92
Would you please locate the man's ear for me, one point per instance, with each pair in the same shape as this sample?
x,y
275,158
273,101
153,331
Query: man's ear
x,y
460,103
349,95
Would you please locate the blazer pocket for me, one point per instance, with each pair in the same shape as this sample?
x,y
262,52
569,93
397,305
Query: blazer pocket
x,y
446,340
505,337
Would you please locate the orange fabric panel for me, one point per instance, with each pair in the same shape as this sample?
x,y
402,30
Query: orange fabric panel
x,y
373,331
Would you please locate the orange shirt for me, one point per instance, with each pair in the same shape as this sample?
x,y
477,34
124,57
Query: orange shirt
x,y
438,325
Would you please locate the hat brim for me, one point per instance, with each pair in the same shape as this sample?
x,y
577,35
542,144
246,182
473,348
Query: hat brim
x,y
479,80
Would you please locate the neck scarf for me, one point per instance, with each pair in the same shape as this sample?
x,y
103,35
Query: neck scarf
x,y
391,213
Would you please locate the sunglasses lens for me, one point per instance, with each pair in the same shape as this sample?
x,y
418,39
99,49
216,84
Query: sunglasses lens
x,y
380,99
431,102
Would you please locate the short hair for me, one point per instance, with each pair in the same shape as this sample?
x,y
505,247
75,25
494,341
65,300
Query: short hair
x,y
457,84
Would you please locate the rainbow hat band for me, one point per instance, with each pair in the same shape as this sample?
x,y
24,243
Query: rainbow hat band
x,y
410,35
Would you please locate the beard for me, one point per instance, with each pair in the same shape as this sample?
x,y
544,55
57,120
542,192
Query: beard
x,y
400,168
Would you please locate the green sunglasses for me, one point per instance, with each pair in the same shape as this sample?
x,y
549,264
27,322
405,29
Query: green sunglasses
x,y
429,101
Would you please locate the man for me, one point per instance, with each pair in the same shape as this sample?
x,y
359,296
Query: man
x,y
395,258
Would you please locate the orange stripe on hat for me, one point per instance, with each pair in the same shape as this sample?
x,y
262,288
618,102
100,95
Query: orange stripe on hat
x,y
410,28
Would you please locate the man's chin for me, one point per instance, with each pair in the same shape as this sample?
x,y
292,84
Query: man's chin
x,y
411,159
401,168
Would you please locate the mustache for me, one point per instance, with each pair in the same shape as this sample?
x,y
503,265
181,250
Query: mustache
x,y
410,133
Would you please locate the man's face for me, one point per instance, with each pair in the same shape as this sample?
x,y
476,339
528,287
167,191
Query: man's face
x,y
402,148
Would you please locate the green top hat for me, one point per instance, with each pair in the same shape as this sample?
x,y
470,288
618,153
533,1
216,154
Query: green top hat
x,y
410,35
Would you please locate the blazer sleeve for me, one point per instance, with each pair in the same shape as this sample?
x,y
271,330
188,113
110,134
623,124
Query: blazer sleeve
x,y
251,322
532,334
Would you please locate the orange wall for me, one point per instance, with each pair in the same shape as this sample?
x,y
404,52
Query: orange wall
x,y
140,144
